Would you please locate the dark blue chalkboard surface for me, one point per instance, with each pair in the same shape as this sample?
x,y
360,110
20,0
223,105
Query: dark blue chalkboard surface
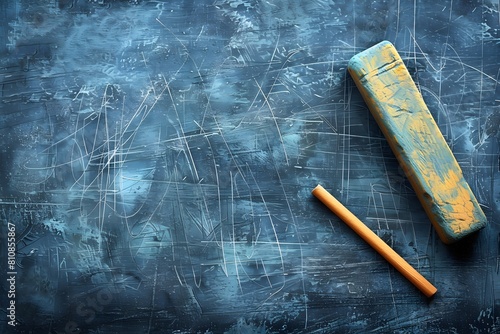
x,y
157,159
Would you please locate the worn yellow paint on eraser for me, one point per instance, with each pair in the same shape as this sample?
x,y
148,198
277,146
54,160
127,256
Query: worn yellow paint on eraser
x,y
399,109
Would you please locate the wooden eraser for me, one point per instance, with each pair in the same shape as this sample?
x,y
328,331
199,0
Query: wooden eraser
x,y
414,137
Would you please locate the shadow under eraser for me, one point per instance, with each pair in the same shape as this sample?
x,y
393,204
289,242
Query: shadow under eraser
x,y
399,109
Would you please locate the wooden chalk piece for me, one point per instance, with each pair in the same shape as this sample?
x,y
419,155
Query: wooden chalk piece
x,y
373,240
399,109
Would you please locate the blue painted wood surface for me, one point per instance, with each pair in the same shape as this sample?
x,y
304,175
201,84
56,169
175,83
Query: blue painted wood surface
x,y
157,159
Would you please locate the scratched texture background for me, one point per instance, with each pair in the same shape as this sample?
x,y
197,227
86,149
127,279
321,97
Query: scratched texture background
x,y
157,159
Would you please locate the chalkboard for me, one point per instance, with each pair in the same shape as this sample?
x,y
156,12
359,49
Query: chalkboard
x,y
157,161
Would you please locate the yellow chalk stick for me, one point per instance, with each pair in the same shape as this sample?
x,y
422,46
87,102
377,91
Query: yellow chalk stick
x,y
373,240
414,137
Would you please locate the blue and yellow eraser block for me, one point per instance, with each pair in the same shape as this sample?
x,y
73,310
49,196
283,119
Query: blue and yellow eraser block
x,y
399,109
